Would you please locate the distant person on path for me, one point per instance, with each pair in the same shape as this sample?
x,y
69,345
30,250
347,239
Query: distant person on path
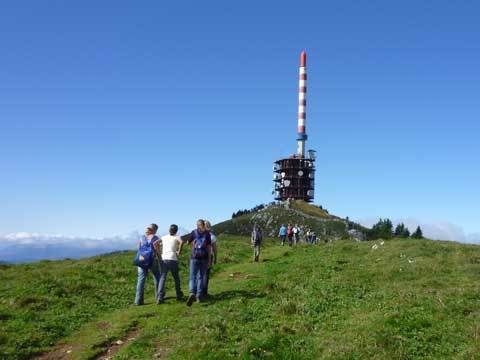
x,y
282,234
172,246
290,234
213,261
148,242
199,261
296,234
257,238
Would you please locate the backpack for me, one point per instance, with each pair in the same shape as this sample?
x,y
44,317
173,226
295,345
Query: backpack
x,y
199,250
145,253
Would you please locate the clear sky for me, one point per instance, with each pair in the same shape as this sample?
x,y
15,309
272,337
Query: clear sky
x,y
115,114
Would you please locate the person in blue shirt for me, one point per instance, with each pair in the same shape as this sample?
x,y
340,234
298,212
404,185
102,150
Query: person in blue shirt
x,y
282,234
199,261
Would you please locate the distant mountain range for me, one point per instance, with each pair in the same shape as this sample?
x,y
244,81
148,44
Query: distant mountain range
x,y
28,247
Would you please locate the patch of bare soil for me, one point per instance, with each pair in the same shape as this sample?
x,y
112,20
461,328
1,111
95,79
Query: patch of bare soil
x,y
112,349
61,352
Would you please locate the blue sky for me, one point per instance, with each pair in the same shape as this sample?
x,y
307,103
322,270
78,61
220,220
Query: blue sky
x,y
116,114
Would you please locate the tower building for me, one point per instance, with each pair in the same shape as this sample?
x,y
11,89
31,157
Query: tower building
x,y
294,177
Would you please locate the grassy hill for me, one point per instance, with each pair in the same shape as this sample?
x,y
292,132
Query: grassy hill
x,y
296,212
404,299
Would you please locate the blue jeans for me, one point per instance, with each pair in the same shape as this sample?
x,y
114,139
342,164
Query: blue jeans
x,y
198,270
206,281
142,275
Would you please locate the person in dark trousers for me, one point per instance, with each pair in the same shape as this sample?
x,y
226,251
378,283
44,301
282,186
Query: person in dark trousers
x,y
149,239
172,246
208,227
199,261
257,238
290,235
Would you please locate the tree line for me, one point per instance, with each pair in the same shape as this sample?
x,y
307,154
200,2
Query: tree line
x,y
383,229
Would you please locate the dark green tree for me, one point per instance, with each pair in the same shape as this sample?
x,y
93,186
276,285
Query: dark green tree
x,y
418,234
381,230
406,233
399,230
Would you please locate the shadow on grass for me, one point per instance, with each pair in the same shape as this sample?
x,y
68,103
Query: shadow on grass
x,y
232,294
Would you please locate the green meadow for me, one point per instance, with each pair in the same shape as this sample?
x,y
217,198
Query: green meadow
x,y
397,299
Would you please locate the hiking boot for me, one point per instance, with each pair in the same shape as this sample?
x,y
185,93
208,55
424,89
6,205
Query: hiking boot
x,y
199,300
191,299
160,301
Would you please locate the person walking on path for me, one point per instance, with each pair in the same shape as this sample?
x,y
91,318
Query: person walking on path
x,y
282,234
213,261
290,234
309,237
148,241
172,246
199,261
256,242
296,234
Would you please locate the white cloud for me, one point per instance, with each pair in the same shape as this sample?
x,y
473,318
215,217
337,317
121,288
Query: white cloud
x,y
32,246
25,246
439,230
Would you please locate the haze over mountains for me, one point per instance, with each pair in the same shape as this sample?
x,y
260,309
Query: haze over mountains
x,y
26,247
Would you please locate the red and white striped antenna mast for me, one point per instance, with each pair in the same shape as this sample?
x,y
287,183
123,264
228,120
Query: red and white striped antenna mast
x,y
302,105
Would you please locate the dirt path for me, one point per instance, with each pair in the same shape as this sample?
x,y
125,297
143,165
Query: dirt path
x,y
112,348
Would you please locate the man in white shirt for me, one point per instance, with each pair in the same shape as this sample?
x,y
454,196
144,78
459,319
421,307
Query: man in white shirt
x,y
172,246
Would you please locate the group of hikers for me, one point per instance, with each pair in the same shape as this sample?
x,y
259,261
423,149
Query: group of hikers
x,y
296,234
159,255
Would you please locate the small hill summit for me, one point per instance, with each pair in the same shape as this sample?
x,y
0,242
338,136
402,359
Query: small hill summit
x,y
270,217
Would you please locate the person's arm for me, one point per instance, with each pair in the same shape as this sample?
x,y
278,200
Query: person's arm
x,y
214,248
179,252
192,237
156,246
209,249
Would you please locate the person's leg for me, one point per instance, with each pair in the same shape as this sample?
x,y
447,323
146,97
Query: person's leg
x,y
161,282
156,271
202,270
142,274
206,281
193,281
174,269
192,285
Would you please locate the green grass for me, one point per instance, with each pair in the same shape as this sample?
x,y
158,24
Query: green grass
x,y
407,299
270,218
310,209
